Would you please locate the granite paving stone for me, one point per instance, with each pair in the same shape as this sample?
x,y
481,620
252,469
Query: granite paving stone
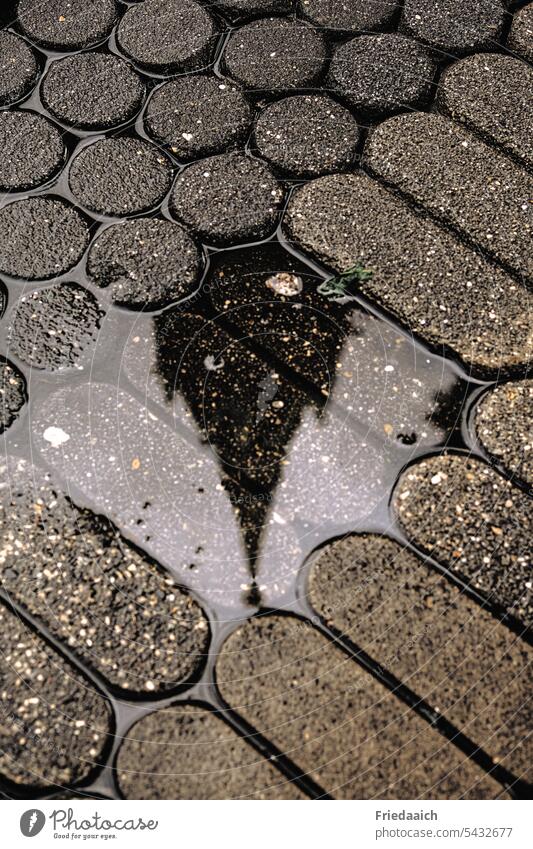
x,y
55,327
120,176
348,15
380,74
520,40
307,136
343,220
491,93
92,90
198,116
146,263
53,723
461,180
168,35
503,424
18,68
336,722
187,752
12,393
114,608
227,199
472,520
418,625
71,26
275,54
40,238
453,26
32,151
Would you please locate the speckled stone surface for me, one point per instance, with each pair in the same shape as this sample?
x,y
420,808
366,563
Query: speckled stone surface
x,y
146,263
462,181
307,136
92,90
40,238
453,26
227,199
503,422
186,752
115,609
381,74
12,393
18,68
520,40
339,725
53,724
168,35
55,327
275,54
419,626
32,150
492,94
66,26
198,116
471,519
345,219
120,176
348,15
241,10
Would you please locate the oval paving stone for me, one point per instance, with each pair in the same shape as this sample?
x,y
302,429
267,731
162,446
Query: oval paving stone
x,y
461,180
443,291
53,724
241,10
520,39
336,722
503,423
432,637
18,68
187,752
32,150
453,26
475,522
66,26
348,15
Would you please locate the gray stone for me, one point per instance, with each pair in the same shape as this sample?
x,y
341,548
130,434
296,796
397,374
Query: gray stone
x,y
92,90
503,426
66,26
12,393
120,176
520,39
453,26
348,15
18,68
32,151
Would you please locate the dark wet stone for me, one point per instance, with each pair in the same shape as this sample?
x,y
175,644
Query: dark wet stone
x,y
147,263
348,15
307,136
453,26
461,180
475,522
227,199
40,238
430,281
492,94
520,39
187,752
120,176
275,54
53,328
32,150
92,90
241,10
198,116
53,724
60,25
18,68
293,685
503,426
115,609
168,35
419,626
381,74
12,393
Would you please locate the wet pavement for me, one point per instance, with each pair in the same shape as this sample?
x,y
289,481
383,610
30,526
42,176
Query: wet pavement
x,y
265,408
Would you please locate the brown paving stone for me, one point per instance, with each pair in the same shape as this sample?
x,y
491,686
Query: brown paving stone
x,y
503,424
186,752
335,721
419,626
471,519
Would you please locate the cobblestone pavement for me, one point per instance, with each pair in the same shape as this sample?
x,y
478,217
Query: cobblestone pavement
x,y
265,399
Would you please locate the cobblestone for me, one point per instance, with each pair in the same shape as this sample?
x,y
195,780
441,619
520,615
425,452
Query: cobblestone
x,y
349,15
18,68
79,24
454,27
520,39
503,426
32,151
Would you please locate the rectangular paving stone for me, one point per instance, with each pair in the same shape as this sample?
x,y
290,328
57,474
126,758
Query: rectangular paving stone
x,y
336,722
418,625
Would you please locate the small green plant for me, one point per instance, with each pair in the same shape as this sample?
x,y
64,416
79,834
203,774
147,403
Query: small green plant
x,y
337,287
